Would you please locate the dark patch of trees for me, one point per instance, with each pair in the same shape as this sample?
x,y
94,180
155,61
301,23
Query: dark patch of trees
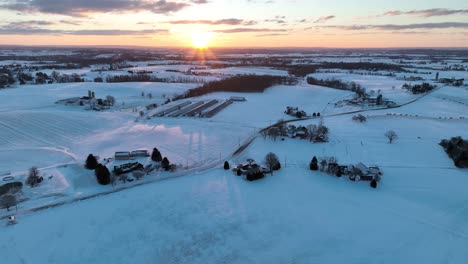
x,y
240,84
302,70
7,201
165,164
34,178
133,78
457,150
272,162
102,174
11,187
305,69
91,162
338,84
6,78
156,155
66,78
313,165
368,66
359,118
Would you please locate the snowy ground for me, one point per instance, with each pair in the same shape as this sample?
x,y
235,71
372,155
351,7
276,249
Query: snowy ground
x,y
417,214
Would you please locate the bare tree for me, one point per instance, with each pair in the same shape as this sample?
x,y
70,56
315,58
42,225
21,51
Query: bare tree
x,y
323,163
272,162
391,135
273,133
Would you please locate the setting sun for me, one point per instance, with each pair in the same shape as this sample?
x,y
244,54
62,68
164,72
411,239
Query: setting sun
x,y
201,39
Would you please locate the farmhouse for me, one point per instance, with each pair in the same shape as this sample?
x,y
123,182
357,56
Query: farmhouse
x,y
251,171
452,82
366,173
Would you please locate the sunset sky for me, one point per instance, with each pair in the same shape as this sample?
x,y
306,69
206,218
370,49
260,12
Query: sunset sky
x,y
236,23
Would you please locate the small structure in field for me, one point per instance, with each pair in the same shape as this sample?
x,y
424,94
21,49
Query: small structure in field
x,y
361,172
122,155
294,111
139,153
452,82
251,170
237,99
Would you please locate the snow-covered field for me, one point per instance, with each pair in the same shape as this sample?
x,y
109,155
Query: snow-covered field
x,y
417,214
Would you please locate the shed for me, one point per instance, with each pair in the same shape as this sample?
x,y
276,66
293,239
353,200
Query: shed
x,y
139,153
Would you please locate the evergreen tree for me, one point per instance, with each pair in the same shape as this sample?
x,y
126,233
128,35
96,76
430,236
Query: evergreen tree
x,y
102,174
379,99
226,165
314,164
156,155
165,164
91,162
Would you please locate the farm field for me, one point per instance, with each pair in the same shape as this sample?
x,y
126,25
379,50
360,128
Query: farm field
x,y
200,213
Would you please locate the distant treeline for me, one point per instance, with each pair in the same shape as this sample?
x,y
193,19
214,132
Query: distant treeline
x,y
338,84
304,70
151,78
240,84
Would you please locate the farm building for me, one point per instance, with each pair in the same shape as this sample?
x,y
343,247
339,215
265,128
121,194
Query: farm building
x,y
251,171
127,168
139,153
237,99
453,81
122,155
365,173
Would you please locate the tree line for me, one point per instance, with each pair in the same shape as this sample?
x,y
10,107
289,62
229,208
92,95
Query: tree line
x,y
240,84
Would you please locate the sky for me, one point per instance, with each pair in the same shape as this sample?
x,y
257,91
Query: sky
x,y
236,23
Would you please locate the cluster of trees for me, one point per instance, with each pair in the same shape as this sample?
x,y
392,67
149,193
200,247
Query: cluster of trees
x,y
34,178
8,194
323,163
66,78
368,66
338,84
318,132
149,78
101,172
419,88
272,162
6,78
457,150
165,163
360,118
133,78
241,84
41,78
305,69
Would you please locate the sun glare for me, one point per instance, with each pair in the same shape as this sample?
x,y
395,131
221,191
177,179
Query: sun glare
x,y
201,39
